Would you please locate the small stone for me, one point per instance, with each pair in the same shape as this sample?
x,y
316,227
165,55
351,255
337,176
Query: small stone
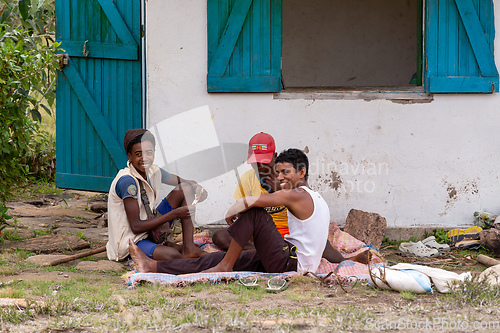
x,y
102,221
101,265
45,259
52,243
367,227
99,207
490,239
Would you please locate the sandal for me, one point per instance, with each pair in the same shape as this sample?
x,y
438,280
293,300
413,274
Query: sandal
x,y
418,249
249,281
431,242
468,244
276,285
458,235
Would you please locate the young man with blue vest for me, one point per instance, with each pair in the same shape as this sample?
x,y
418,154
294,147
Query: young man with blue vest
x,y
133,209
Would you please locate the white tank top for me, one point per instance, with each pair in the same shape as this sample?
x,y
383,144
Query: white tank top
x,y
310,235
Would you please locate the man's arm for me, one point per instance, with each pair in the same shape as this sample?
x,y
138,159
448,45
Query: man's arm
x,y
298,201
137,225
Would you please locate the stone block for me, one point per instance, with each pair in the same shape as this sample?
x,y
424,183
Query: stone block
x,y
490,239
367,227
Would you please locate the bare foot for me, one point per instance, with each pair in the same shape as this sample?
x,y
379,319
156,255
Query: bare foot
x,y
216,269
363,257
141,262
192,252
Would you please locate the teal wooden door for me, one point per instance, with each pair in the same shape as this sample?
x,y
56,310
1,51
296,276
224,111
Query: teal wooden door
x,y
99,95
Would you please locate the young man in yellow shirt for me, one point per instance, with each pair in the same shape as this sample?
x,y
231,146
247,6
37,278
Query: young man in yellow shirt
x,y
263,179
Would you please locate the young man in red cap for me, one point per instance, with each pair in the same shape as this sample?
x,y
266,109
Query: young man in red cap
x,y
263,180
132,203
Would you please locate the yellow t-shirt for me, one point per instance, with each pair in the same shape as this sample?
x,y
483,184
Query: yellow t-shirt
x,y
249,185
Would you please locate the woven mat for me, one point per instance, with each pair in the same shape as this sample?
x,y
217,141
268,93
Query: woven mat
x,y
347,245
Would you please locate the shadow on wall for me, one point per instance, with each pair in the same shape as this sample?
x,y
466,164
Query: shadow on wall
x,y
188,145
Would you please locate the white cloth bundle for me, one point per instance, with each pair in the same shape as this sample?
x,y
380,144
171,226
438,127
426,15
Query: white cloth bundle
x,y
416,278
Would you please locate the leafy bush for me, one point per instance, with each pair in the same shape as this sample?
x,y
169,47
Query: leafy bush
x,y
35,16
27,86
24,68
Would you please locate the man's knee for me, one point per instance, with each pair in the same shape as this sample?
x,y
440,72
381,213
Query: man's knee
x,y
221,238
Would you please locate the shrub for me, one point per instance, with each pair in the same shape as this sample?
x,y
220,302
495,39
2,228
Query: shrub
x,y
25,64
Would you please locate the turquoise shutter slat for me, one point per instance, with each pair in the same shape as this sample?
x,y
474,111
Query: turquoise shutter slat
x,y
459,47
99,95
244,45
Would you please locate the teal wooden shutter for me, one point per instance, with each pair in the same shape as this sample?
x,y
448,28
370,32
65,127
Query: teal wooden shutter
x,y
244,45
99,91
459,47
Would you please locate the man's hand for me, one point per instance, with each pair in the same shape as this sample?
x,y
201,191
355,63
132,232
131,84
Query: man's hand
x,y
231,219
272,180
183,212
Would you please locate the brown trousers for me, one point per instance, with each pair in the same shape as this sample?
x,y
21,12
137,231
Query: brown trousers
x,y
271,254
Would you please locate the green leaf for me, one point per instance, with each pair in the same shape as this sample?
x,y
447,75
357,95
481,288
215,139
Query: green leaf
x,y
46,109
24,8
6,11
35,114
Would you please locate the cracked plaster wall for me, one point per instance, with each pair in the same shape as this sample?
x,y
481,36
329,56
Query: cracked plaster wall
x,y
432,163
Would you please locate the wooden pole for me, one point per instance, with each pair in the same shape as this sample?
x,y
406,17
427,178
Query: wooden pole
x,y
76,256
487,261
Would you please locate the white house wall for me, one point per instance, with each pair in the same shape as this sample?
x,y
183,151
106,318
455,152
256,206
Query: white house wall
x,y
423,163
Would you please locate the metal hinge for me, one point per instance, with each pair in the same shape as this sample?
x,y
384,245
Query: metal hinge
x,y
143,30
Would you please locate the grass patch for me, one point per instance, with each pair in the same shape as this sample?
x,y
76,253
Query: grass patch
x,y
407,294
35,188
13,261
475,293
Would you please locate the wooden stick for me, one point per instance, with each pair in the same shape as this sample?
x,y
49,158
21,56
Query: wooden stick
x,y
76,256
487,261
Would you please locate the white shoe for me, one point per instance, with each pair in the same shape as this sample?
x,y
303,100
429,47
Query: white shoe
x,y
431,242
418,249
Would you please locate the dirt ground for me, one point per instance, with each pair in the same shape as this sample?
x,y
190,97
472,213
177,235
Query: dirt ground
x,y
105,303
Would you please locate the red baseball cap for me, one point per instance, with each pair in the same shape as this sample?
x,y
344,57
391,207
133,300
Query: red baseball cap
x,y
261,148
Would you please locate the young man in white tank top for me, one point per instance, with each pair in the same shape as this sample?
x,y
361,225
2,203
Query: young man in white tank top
x,y
302,248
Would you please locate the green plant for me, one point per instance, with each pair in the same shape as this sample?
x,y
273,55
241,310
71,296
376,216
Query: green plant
x,y
484,219
3,216
474,292
27,79
77,234
406,294
13,234
441,235
65,202
42,232
35,16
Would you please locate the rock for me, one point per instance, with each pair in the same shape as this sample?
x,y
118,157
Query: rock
x,y
99,207
491,275
52,243
367,227
44,259
18,303
490,239
102,221
101,265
